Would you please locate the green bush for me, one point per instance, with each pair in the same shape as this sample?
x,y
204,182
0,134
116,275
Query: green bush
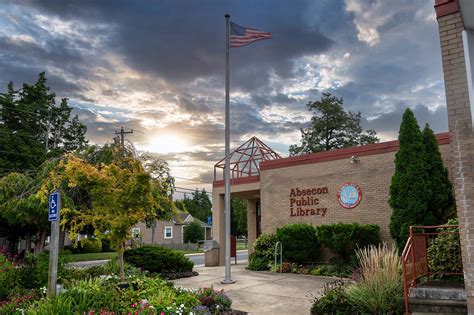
x,y
107,246
444,253
264,249
10,277
300,243
333,270
333,300
344,239
90,245
264,245
158,259
193,232
258,263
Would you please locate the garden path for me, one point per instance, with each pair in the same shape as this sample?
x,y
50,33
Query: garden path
x,y
259,292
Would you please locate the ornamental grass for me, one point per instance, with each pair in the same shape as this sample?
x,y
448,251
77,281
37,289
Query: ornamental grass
x,y
380,289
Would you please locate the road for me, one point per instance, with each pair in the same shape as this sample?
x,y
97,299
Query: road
x,y
198,259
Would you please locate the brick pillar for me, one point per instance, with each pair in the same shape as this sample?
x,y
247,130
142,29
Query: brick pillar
x,y
460,128
251,223
218,227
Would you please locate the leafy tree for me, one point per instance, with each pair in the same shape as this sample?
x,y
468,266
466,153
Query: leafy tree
x,y
122,192
441,199
239,217
331,128
193,232
20,209
409,189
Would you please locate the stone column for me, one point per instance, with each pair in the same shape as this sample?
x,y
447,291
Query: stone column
x,y
460,129
218,224
251,223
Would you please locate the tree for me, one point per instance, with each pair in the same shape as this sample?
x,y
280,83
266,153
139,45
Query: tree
x,y
122,193
441,200
239,217
331,128
193,232
199,206
33,128
410,189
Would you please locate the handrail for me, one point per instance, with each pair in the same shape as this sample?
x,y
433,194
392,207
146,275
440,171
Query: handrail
x,y
414,257
281,255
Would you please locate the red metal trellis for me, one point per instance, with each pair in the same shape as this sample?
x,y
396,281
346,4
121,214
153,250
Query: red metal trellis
x,y
245,160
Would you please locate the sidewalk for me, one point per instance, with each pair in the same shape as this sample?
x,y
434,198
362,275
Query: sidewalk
x,y
261,292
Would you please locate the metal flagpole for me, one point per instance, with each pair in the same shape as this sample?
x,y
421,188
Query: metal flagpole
x,y
227,278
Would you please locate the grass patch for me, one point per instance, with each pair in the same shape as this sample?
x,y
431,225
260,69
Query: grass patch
x,y
92,256
241,246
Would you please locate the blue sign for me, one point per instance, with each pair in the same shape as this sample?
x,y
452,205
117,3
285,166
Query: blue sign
x,y
53,213
209,220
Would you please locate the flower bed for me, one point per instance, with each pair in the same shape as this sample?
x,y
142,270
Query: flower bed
x,y
98,290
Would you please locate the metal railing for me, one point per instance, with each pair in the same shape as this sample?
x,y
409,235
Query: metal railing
x,y
430,251
281,255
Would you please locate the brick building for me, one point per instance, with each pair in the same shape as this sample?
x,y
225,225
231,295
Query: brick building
x,y
347,185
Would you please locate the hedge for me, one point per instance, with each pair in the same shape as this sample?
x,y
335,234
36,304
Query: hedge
x,y
158,259
300,243
343,239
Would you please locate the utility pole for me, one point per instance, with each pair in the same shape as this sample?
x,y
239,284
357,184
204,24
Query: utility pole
x,y
122,133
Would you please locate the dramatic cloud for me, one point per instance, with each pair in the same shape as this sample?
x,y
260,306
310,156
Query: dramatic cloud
x,y
158,68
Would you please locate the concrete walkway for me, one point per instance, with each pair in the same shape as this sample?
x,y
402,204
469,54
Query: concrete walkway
x,y
261,292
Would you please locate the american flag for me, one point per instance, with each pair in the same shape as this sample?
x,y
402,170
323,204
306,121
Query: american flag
x,y
241,35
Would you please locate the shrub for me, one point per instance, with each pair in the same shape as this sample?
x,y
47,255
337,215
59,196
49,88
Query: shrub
x,y
10,277
264,249
333,300
299,241
258,263
193,232
344,239
332,270
90,245
444,253
380,290
158,259
107,246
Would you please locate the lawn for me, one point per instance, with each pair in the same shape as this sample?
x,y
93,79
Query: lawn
x,y
92,256
110,255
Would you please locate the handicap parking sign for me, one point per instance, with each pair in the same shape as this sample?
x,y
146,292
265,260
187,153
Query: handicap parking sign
x,y
53,212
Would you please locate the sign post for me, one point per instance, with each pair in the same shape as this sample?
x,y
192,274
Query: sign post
x,y
53,216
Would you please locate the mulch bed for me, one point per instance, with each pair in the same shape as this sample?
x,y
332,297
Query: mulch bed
x,y
179,275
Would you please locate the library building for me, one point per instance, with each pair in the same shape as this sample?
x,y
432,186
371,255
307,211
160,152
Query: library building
x,y
346,185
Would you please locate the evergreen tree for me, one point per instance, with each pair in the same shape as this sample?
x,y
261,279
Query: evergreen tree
x,y
331,128
33,128
441,200
409,190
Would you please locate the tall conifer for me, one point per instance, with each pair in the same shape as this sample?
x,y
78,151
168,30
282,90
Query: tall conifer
x,y
441,200
409,187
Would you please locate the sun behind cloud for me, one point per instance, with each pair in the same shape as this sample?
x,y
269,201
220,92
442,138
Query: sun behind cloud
x,y
166,143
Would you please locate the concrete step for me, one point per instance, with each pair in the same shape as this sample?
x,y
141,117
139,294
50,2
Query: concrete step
x,y
438,298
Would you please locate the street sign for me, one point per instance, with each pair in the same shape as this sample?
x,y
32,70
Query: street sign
x,y
209,220
54,207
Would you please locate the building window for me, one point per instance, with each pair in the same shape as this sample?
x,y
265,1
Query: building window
x,y
168,232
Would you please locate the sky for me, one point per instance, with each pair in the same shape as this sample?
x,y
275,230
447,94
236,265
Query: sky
x,y
158,67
